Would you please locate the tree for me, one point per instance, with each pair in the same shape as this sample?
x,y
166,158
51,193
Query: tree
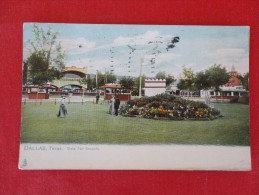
x,y
127,82
46,60
182,85
137,81
168,78
110,77
39,71
201,81
217,76
245,80
25,72
161,75
187,80
100,79
89,81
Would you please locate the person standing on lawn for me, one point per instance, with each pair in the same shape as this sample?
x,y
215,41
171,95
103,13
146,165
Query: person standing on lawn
x,y
97,97
111,110
116,105
62,108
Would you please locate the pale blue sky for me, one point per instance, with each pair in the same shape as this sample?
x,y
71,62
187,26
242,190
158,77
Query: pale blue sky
x,y
95,46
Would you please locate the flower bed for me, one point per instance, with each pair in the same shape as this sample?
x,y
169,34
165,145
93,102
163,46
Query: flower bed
x,y
167,107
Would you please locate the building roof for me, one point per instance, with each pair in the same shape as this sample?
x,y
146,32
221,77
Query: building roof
x,y
75,70
111,86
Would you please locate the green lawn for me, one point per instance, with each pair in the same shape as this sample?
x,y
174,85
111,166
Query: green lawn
x,y
90,123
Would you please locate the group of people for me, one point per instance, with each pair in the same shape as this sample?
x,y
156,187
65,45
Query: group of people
x,y
113,110
114,105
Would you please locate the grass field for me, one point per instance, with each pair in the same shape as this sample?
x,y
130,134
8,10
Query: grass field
x,y
90,123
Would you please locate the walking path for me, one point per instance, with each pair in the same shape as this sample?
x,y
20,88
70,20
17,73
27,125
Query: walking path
x,y
80,99
74,99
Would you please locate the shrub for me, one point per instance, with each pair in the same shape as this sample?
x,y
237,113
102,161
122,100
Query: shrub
x,y
168,106
234,100
244,99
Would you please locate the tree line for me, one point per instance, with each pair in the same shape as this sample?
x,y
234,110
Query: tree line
x,y
126,82
211,78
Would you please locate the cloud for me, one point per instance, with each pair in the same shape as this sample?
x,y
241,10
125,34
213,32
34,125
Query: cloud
x,y
163,60
167,57
93,65
241,65
227,53
70,46
228,57
143,39
77,46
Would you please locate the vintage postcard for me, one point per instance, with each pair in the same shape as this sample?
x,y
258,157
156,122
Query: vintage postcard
x,y
135,97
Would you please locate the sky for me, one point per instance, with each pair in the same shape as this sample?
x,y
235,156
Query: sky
x,y
128,50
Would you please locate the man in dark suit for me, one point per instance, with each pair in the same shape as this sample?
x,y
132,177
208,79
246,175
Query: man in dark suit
x,y
116,105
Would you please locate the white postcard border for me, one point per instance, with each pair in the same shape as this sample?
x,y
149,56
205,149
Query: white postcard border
x,y
134,157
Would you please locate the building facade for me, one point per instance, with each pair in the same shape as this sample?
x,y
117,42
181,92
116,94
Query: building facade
x,y
154,86
72,79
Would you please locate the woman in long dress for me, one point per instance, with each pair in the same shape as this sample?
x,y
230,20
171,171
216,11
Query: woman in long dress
x,y
62,108
112,110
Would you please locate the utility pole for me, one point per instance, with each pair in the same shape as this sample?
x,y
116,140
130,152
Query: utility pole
x,y
105,75
96,77
140,77
85,86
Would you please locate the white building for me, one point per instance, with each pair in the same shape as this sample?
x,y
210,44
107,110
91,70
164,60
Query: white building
x,y
237,91
154,86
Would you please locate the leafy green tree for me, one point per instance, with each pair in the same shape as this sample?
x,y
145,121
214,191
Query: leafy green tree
x,y
127,82
162,75
39,71
110,77
25,72
201,81
182,85
245,80
169,79
100,79
217,76
137,81
187,80
46,60
89,82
